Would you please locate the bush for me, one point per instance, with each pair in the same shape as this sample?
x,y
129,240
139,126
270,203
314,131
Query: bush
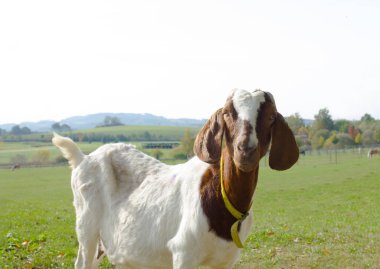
x,y
180,156
19,158
41,156
60,159
345,140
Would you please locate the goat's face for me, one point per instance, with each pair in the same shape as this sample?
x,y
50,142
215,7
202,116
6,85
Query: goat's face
x,y
250,122
248,119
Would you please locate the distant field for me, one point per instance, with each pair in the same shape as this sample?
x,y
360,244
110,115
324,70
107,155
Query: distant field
x,y
140,130
136,133
317,215
9,151
31,146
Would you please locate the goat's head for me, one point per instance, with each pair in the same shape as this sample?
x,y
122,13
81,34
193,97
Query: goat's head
x,y
251,124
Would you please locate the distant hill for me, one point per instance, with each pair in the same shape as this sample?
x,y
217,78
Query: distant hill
x,y
94,120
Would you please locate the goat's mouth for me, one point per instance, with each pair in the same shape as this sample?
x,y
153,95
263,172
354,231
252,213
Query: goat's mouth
x,y
246,167
249,163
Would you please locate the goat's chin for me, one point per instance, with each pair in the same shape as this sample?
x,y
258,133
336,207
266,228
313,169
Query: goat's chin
x,y
247,165
246,168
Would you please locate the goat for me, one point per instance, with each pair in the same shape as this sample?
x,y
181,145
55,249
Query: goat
x,y
147,214
373,151
16,166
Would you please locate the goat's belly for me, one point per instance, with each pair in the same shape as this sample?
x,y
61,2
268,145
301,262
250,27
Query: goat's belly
x,y
144,259
142,227
144,249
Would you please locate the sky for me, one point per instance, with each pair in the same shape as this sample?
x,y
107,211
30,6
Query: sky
x,y
181,59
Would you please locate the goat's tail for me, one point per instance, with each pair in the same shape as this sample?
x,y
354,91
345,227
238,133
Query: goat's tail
x,y
69,149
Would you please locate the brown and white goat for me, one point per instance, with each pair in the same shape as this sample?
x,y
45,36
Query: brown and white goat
x,y
147,214
373,151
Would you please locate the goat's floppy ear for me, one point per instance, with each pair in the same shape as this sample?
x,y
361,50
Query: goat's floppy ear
x,y
208,142
284,150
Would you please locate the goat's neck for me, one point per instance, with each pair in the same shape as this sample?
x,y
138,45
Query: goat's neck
x,y
239,185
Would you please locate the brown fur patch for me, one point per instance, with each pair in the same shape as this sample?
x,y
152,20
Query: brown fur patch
x,y
239,191
265,120
208,142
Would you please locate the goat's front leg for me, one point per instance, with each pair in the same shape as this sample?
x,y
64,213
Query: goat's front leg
x,y
88,238
87,253
182,260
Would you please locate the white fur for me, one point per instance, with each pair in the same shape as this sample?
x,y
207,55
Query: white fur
x,y
145,213
247,106
69,149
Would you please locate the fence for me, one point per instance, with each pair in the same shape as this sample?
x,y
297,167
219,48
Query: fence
x,y
327,156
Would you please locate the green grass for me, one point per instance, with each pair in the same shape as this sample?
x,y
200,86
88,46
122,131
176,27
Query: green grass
x,y
36,219
8,151
317,215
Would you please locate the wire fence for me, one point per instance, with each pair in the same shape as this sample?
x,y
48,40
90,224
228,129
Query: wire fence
x,y
322,155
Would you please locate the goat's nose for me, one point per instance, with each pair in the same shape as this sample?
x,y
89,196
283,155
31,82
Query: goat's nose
x,y
245,148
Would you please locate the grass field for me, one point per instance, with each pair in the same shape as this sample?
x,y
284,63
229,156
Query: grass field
x,y
317,215
176,131
132,131
9,151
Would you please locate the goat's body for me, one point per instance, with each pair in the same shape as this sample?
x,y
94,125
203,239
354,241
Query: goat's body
x,y
146,214
373,151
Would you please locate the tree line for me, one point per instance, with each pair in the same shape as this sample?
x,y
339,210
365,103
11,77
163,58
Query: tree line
x,y
16,130
324,132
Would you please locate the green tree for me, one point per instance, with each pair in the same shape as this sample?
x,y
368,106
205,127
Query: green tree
x,y
376,135
56,127
147,136
61,128
187,143
323,120
156,153
319,138
342,125
367,137
367,117
26,130
111,121
16,130
345,140
295,122
331,141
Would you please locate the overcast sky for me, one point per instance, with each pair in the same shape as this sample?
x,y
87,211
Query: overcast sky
x,y
182,58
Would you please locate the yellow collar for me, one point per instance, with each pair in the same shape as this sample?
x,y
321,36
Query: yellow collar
x,y
234,212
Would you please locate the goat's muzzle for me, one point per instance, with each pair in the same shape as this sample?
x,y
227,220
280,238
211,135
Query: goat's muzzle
x,y
246,158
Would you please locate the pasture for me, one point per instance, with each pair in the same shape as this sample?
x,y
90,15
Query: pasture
x,y
319,214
